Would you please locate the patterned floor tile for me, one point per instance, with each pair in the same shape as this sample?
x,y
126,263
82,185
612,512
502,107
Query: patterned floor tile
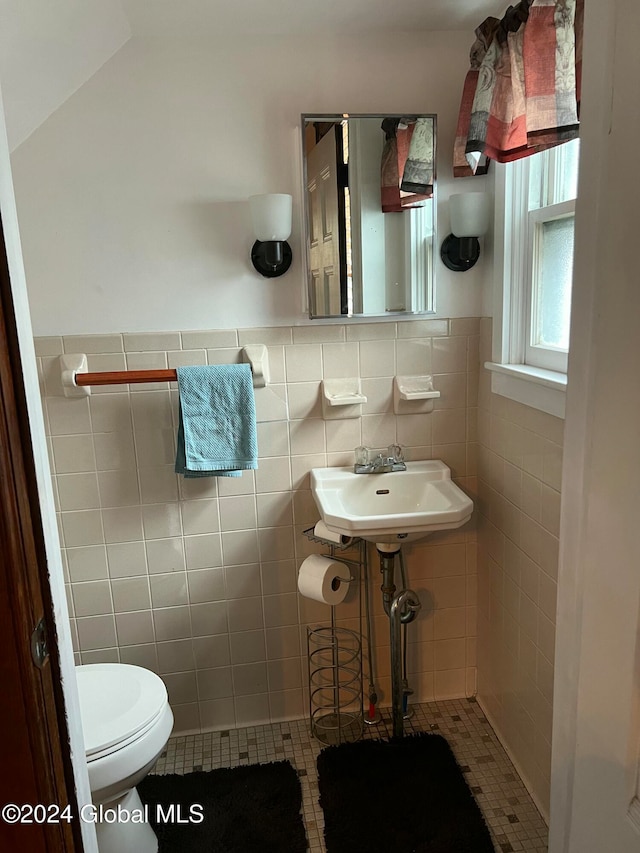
x,y
516,825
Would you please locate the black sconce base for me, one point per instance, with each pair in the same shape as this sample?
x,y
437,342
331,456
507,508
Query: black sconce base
x,y
451,254
271,259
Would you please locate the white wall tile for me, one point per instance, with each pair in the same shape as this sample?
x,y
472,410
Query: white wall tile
x,y
92,599
211,651
96,632
303,363
87,563
144,655
176,656
413,357
340,360
126,559
77,491
201,561
172,623
278,577
92,343
161,521
169,590
242,581
199,517
245,614
249,679
68,416
274,509
307,436
523,440
247,647
252,707
154,341
209,619
114,451
203,552
165,555
217,714
130,594
122,525
239,547
134,628
111,413
377,358
82,528
73,454
215,683
304,400
206,585
210,340
181,687
238,513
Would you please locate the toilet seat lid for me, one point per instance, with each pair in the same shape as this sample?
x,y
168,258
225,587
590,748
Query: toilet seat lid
x,y
117,701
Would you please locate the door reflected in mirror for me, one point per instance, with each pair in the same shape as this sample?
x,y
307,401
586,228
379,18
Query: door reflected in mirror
x,y
370,214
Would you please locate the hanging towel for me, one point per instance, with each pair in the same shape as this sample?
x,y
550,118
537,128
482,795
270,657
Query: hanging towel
x,y
217,423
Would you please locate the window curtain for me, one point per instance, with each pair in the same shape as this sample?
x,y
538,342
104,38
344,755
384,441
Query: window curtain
x,y
407,163
522,91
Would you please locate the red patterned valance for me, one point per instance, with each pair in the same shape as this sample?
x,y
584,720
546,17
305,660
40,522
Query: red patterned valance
x,y
522,91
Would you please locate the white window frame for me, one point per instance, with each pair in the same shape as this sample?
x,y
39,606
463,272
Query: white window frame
x,y
547,357
541,385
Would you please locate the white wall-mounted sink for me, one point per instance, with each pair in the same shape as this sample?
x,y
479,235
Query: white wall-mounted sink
x,y
399,506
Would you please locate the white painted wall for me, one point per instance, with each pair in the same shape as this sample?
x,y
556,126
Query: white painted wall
x,y
48,50
132,196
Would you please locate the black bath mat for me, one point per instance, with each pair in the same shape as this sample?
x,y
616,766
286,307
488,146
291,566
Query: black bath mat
x,y
407,795
248,809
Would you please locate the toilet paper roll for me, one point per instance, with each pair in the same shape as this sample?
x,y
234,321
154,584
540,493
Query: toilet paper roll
x,y
322,532
319,579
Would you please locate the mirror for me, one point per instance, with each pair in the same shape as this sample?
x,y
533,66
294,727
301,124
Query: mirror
x,y
370,214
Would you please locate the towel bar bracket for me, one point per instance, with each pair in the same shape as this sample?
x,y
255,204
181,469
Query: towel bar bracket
x,y
70,365
257,356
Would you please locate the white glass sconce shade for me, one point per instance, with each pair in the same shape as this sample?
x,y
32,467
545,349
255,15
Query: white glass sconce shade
x,y
470,217
271,215
469,214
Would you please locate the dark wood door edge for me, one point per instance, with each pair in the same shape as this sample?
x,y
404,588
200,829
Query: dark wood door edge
x,y
23,564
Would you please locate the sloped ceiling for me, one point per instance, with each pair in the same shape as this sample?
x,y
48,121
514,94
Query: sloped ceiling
x,y
300,16
48,50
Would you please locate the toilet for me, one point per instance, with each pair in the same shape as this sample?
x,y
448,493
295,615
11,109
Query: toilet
x,y
126,722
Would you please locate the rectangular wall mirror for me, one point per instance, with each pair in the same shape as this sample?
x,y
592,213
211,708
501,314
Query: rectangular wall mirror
x,y
370,214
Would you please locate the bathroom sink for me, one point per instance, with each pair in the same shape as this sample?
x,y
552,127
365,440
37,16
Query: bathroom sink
x,y
397,506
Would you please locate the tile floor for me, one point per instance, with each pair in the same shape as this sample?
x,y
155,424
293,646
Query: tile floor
x,y
513,819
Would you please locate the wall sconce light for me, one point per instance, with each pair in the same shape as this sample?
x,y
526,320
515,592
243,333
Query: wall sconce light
x,y
271,215
469,220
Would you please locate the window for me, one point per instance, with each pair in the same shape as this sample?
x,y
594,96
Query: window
x,y
552,189
534,269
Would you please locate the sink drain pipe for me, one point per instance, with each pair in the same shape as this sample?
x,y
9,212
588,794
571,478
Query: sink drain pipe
x,y
401,609
404,608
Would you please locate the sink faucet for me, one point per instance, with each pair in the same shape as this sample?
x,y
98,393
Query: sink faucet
x,y
379,464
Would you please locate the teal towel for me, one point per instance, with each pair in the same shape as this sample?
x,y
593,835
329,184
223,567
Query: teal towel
x,y
217,424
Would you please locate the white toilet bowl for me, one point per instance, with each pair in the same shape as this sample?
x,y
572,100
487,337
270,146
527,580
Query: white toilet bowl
x,y
126,722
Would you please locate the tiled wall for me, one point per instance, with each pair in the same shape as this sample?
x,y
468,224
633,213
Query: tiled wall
x,y
519,477
196,579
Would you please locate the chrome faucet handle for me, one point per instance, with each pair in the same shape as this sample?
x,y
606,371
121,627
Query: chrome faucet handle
x,y
395,452
361,455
